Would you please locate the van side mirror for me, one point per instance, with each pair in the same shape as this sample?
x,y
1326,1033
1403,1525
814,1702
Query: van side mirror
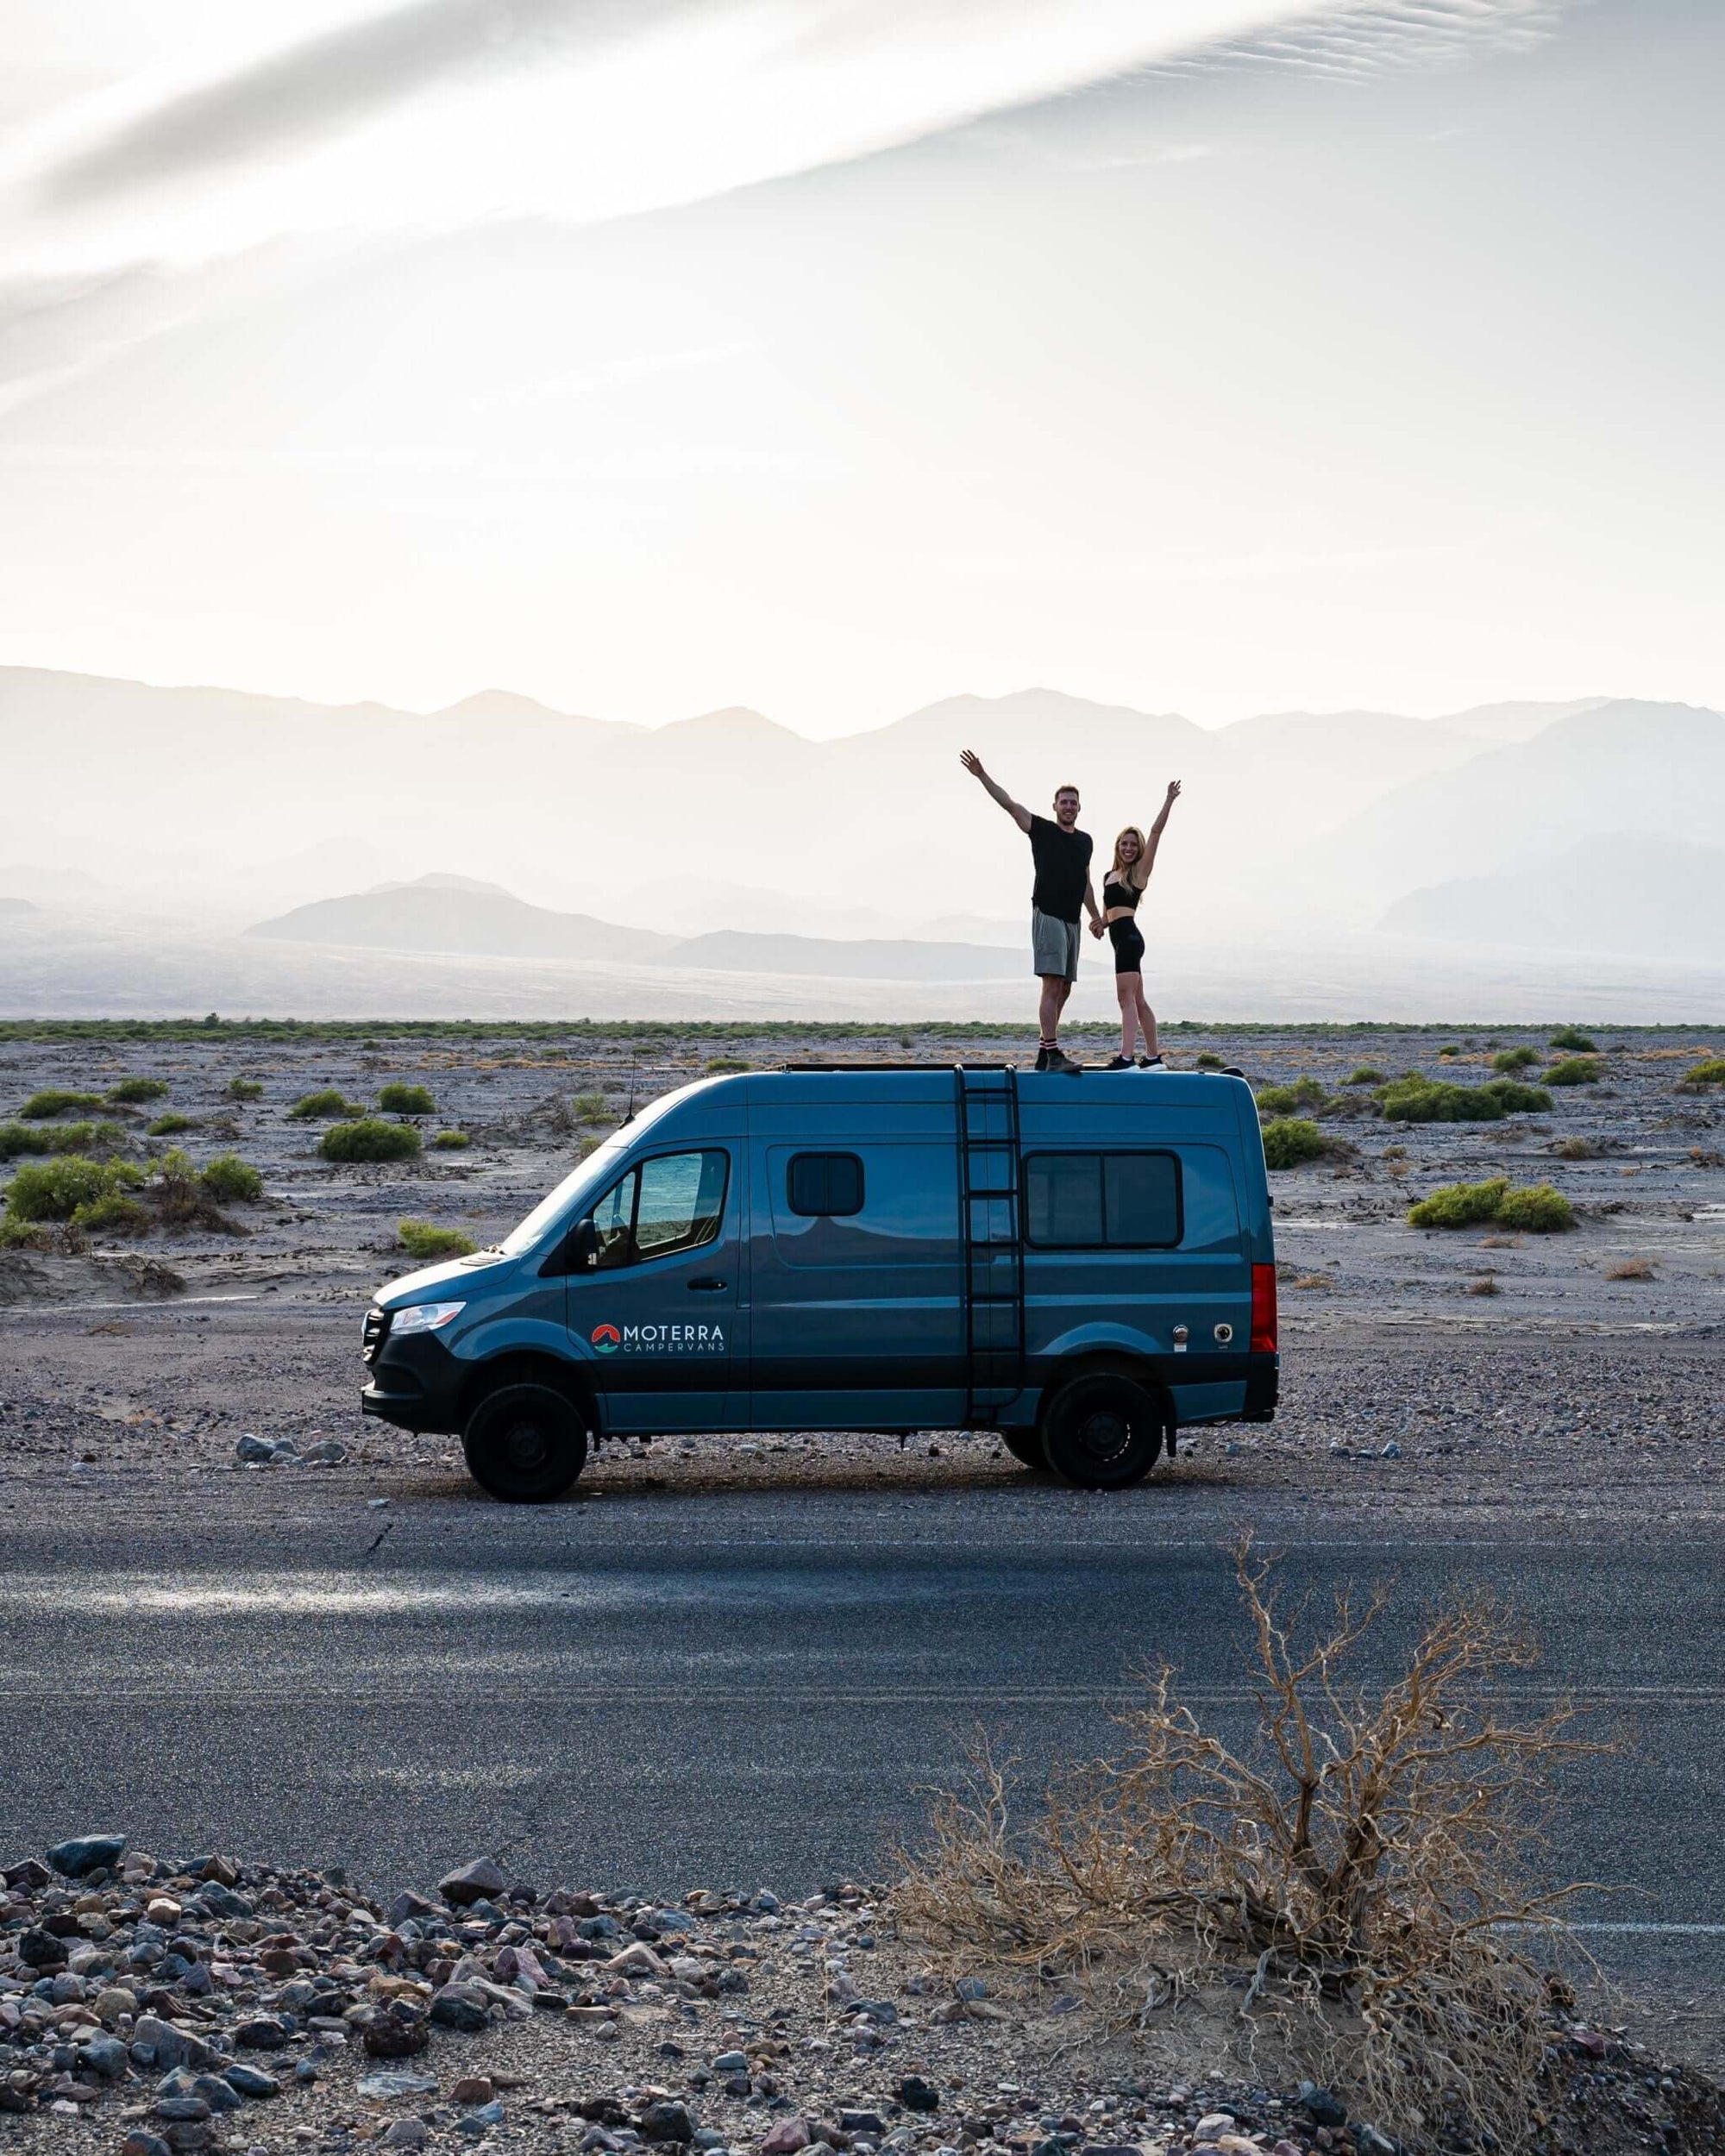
x,y
581,1249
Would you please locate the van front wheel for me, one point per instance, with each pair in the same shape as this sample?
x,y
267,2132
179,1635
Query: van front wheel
x,y
525,1444
1102,1432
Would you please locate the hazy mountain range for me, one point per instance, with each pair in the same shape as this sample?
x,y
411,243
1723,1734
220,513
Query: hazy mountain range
x,y
1534,836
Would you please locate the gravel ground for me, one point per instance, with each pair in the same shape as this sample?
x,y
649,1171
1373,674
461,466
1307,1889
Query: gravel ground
x,y
176,2007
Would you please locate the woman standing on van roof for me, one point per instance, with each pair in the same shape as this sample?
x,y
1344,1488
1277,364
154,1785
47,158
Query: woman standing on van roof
x,y
1122,888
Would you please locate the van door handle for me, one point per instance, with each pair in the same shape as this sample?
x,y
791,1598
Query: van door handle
x,y
707,1284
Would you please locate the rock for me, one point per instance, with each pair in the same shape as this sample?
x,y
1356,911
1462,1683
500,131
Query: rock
x,y
223,1871
785,2137
216,2093
407,2134
477,1881
27,1874
166,2045
766,1903
181,2108
1211,2123
473,2089
112,2000
918,2095
666,2121
85,1853
103,2055
638,1960
399,2081
488,2113
330,1453
730,2062
1321,2107
261,2032
396,2034
38,1949
462,2006
1370,2142
971,1987
250,2081
138,2143
217,1900
1587,2042
405,1905
186,2135
862,2122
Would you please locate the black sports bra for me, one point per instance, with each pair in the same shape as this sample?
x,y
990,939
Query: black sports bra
x,y
1123,894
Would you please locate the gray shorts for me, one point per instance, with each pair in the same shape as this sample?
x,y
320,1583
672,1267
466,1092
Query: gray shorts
x,y
1053,945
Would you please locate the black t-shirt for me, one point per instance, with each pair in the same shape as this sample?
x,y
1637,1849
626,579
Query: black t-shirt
x,y
1062,868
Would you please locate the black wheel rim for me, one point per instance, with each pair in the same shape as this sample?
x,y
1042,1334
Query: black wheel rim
x,y
1104,1435
526,1447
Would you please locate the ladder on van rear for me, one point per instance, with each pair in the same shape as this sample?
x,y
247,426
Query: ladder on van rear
x,y
988,1197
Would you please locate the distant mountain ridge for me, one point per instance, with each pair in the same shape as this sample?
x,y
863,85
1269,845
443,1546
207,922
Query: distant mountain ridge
x,y
453,916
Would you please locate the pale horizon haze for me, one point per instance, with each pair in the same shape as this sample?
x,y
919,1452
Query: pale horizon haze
x,y
1219,356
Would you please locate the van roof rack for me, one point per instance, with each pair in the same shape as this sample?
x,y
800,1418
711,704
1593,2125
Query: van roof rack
x,y
895,1066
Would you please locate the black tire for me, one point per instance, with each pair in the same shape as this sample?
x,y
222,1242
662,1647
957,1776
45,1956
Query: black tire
x,y
525,1444
1026,1447
1102,1431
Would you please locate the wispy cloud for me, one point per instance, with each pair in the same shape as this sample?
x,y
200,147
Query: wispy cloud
x,y
443,113
1363,38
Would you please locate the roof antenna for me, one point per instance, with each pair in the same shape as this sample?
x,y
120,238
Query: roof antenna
x,y
630,1115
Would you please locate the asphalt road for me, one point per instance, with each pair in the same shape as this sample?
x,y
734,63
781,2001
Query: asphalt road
x,y
639,1694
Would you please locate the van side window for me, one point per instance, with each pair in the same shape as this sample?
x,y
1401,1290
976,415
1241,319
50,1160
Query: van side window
x,y
673,1202
1102,1200
827,1184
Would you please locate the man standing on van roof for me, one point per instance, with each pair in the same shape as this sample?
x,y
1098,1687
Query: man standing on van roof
x,y
1061,853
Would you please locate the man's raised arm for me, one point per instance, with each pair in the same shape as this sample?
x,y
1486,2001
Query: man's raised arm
x,y
973,763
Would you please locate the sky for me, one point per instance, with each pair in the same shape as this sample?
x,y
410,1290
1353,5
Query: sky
x,y
832,356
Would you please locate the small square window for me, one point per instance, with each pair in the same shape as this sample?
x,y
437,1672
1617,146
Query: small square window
x,y
824,1184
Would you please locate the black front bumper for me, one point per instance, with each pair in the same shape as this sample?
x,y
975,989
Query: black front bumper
x,y
415,1383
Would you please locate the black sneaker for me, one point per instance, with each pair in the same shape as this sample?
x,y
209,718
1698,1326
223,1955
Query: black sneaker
x,y
1059,1060
1117,1063
1042,1059
1152,1062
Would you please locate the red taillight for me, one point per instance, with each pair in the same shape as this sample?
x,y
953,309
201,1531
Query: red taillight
x,y
1264,1310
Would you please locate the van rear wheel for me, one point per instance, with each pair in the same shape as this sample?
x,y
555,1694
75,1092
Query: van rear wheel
x,y
525,1444
1102,1431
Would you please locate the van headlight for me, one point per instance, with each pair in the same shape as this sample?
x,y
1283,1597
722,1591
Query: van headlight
x,y
423,1317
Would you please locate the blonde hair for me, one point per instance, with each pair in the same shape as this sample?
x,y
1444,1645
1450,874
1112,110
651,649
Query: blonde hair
x,y
1122,869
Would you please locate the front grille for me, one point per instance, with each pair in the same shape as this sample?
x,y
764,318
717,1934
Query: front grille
x,y
373,1334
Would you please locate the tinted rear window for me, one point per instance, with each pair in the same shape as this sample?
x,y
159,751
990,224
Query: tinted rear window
x,y
1102,1200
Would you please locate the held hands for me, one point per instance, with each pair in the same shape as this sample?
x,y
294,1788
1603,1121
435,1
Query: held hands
x,y
1098,926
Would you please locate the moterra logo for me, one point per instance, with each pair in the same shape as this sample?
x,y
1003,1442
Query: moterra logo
x,y
659,1339
606,1338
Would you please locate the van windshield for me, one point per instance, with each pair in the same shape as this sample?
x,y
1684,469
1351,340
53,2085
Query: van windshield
x,y
564,1202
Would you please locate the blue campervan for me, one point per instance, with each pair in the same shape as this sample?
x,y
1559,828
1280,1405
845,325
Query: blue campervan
x,y
1081,1263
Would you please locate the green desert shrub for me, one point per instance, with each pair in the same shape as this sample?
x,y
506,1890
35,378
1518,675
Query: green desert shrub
x,y
717,1066
245,1089
369,1138
228,1177
116,1214
1460,1205
1450,1047
399,1099
1537,1209
1576,1070
1517,1099
1574,1042
1289,1141
425,1239
1304,1093
320,1108
1708,1073
58,1190
1510,1060
53,1100
590,1106
131,1092
451,1142
1416,1099
169,1126
16,1139
1364,1074
1207,1059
